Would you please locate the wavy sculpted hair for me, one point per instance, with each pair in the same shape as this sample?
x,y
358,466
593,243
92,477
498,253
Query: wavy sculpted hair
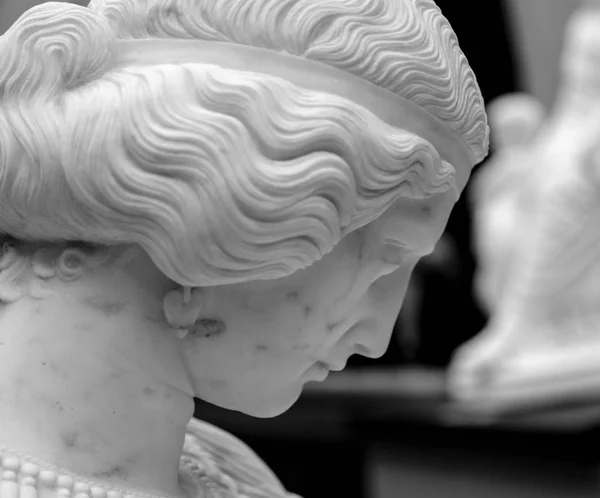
x,y
220,175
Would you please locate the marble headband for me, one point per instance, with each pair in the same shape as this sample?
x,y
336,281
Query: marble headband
x,y
312,75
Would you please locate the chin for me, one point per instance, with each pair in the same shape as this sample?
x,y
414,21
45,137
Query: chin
x,y
272,407
270,412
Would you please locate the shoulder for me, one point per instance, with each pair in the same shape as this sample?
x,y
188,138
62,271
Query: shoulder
x,y
228,459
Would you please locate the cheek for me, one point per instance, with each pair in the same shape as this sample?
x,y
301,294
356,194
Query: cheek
x,y
269,326
289,331
250,347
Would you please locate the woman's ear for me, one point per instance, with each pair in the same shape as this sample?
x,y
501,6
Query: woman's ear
x,y
183,307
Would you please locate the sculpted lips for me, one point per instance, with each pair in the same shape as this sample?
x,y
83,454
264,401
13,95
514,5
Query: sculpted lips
x,y
332,368
317,372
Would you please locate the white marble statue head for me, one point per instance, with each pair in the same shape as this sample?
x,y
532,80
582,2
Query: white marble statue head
x,y
260,175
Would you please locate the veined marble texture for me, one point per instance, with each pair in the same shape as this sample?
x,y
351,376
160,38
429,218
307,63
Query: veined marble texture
x,y
213,199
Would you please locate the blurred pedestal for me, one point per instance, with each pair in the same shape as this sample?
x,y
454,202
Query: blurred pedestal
x,y
397,471
393,434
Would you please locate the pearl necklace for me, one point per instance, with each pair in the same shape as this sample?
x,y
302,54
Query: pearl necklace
x,y
22,476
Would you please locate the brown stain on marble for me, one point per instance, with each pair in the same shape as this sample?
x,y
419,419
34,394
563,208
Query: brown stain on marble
x,y
117,471
69,439
160,319
426,210
261,347
133,458
105,305
52,366
331,326
209,327
292,296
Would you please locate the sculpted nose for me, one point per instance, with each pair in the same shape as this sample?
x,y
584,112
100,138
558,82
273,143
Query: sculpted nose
x,y
371,337
371,353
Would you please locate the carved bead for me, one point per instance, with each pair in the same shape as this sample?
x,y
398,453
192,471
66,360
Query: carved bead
x,y
65,487
33,477
29,488
11,463
65,482
30,469
48,478
9,475
81,488
29,481
98,492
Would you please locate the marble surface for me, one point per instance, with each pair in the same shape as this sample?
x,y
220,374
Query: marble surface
x,y
197,225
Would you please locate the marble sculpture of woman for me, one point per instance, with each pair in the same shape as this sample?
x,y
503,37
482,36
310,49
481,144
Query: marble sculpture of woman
x,y
221,199
538,209
498,199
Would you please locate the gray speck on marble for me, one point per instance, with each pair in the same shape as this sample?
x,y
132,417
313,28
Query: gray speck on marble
x,y
106,306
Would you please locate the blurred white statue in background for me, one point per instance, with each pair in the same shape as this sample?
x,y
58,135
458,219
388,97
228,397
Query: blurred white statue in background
x,y
500,193
538,241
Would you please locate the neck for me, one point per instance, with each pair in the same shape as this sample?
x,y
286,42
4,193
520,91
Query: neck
x,y
88,390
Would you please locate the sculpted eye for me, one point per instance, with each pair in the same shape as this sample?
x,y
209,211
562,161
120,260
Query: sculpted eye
x,y
393,252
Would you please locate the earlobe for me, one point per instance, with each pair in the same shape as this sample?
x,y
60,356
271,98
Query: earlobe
x,y
182,308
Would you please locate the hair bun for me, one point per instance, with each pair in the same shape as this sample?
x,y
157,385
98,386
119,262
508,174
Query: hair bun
x,y
52,48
